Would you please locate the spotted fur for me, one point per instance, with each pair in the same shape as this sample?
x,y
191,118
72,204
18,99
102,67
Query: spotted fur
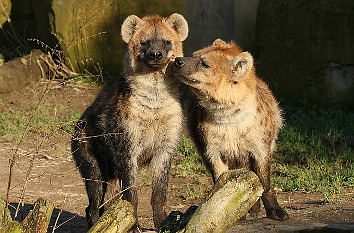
x,y
235,118
134,120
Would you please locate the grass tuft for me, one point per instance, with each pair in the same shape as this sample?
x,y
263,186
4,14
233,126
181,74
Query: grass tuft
x,y
315,151
47,120
191,163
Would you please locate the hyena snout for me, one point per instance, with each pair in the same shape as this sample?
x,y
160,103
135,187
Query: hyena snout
x,y
185,68
179,62
155,55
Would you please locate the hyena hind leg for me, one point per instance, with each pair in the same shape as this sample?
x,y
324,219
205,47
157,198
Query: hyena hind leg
x,y
95,191
95,180
271,205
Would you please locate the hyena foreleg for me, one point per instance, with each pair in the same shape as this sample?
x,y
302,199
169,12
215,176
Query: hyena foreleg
x,y
127,174
161,164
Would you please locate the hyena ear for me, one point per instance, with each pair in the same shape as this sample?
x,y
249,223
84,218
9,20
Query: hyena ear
x,y
219,43
130,25
241,66
179,24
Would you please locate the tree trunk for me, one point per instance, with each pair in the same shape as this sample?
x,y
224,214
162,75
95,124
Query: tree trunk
x,y
37,220
230,199
2,207
118,218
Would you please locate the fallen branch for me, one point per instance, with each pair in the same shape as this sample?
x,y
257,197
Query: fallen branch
x,y
233,195
37,220
118,218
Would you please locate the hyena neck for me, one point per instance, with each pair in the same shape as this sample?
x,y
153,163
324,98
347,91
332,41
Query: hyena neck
x,y
153,90
150,89
237,114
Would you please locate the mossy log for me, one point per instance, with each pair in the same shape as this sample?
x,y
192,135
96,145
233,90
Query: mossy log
x,y
12,227
37,220
118,218
233,195
230,199
8,215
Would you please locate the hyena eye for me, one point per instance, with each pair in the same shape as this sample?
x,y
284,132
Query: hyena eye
x,y
167,42
144,42
204,64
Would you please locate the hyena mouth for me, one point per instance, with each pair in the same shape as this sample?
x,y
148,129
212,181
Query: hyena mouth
x,y
155,65
186,80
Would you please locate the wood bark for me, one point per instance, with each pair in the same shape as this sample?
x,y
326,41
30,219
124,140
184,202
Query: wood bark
x,y
11,227
230,199
8,215
118,218
37,220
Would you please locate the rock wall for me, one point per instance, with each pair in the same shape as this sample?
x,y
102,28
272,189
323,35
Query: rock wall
x,y
245,14
305,49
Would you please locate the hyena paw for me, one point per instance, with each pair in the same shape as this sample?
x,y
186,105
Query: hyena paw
x,y
134,229
277,214
158,218
92,216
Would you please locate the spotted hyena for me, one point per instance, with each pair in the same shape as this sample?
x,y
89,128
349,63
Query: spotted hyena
x,y
235,118
135,120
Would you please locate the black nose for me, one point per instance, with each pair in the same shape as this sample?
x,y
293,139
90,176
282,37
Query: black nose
x,y
155,56
179,62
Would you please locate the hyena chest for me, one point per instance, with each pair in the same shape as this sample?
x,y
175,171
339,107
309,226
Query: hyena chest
x,y
226,141
155,128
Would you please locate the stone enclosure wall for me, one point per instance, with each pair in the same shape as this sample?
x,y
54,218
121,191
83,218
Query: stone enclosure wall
x,y
303,49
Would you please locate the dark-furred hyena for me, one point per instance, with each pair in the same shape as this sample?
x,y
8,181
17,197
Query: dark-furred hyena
x,y
235,118
135,120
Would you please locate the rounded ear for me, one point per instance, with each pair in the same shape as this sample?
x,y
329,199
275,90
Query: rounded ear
x,y
179,24
241,66
219,43
129,27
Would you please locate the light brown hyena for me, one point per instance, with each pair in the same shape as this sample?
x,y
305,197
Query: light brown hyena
x,y
135,120
235,118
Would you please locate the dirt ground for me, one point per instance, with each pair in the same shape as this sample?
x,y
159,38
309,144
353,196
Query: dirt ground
x,y
55,177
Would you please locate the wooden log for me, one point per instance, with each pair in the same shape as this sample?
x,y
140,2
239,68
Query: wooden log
x,y
230,199
11,227
37,220
118,218
8,215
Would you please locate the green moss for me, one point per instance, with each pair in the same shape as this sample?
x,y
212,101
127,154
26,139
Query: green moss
x,y
5,9
89,31
12,227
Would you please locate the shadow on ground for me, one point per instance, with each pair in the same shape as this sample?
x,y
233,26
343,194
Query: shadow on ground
x,y
68,222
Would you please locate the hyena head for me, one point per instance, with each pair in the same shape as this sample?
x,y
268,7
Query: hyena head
x,y
219,72
154,41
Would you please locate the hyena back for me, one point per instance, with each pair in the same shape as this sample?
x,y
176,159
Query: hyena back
x,y
235,118
135,120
